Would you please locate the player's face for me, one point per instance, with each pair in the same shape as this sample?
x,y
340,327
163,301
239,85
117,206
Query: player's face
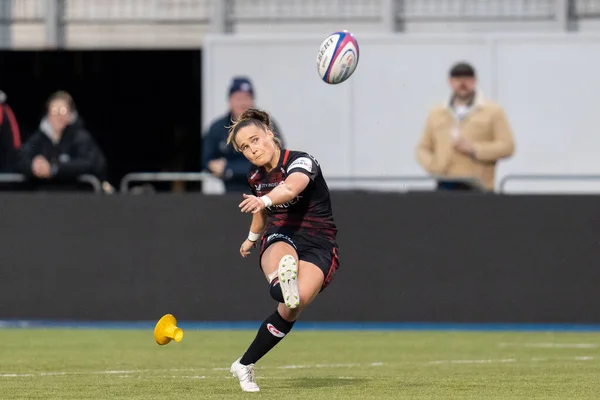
x,y
256,145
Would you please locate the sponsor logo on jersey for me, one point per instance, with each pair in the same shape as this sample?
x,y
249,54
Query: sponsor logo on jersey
x,y
267,185
278,236
274,331
302,162
287,204
281,236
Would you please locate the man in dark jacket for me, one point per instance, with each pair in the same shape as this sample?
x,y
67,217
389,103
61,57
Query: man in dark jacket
x,y
61,150
221,160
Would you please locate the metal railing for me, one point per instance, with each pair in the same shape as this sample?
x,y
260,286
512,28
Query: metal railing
x,y
12,178
353,182
375,183
586,8
486,10
225,13
285,10
290,11
405,183
161,177
29,11
136,11
91,180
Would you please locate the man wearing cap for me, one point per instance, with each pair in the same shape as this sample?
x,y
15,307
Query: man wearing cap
x,y
220,159
466,136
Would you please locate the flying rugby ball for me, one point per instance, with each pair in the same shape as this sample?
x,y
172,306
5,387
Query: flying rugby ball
x,y
338,57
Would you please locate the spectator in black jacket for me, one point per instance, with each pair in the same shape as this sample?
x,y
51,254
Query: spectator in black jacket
x,y
221,160
61,150
10,136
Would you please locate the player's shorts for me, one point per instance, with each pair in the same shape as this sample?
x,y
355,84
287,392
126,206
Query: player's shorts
x,y
318,251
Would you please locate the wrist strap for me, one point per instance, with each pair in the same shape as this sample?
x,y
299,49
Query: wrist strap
x,y
253,237
266,200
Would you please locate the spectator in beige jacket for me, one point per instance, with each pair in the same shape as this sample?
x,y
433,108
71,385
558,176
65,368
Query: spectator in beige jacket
x,y
465,137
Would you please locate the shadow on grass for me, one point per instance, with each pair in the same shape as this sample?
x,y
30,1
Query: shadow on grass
x,y
318,383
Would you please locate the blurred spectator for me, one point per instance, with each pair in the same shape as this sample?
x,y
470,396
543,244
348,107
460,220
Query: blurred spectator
x,y
466,136
10,136
61,150
221,160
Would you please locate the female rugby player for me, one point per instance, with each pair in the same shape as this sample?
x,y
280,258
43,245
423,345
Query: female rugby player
x,y
291,214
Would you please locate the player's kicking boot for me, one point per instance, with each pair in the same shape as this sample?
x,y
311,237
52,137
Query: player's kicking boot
x,y
245,374
288,281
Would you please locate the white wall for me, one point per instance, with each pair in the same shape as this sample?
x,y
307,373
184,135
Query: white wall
x,y
369,125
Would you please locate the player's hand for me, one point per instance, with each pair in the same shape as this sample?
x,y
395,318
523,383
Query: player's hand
x,y
251,204
246,246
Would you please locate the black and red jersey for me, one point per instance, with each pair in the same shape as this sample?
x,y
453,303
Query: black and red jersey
x,y
310,212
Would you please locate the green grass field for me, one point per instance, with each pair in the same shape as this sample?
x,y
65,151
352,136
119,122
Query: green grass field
x,y
120,364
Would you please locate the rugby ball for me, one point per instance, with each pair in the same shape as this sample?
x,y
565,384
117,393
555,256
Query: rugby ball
x,y
338,57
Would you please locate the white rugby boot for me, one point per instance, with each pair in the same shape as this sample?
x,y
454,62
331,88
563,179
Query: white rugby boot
x,y
245,374
288,281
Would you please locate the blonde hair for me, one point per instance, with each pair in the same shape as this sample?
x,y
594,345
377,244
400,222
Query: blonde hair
x,y
251,117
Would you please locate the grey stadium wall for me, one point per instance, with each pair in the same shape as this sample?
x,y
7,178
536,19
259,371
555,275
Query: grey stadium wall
x,y
404,258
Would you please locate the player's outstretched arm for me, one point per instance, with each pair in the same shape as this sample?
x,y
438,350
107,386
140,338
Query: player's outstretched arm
x,y
259,221
294,184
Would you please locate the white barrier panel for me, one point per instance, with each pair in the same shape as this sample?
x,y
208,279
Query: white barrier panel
x,y
369,125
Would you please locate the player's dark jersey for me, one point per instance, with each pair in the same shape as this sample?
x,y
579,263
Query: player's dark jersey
x,y
310,213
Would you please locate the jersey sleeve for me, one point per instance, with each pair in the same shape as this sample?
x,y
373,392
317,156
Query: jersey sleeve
x,y
303,163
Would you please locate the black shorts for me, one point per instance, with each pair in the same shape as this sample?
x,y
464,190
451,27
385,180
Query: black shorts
x,y
321,252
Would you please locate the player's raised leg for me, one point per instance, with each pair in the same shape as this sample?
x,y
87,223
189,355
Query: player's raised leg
x,y
274,328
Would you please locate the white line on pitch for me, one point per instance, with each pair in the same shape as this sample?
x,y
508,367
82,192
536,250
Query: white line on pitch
x,y
491,361
509,360
127,373
229,377
124,373
550,345
174,376
374,364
